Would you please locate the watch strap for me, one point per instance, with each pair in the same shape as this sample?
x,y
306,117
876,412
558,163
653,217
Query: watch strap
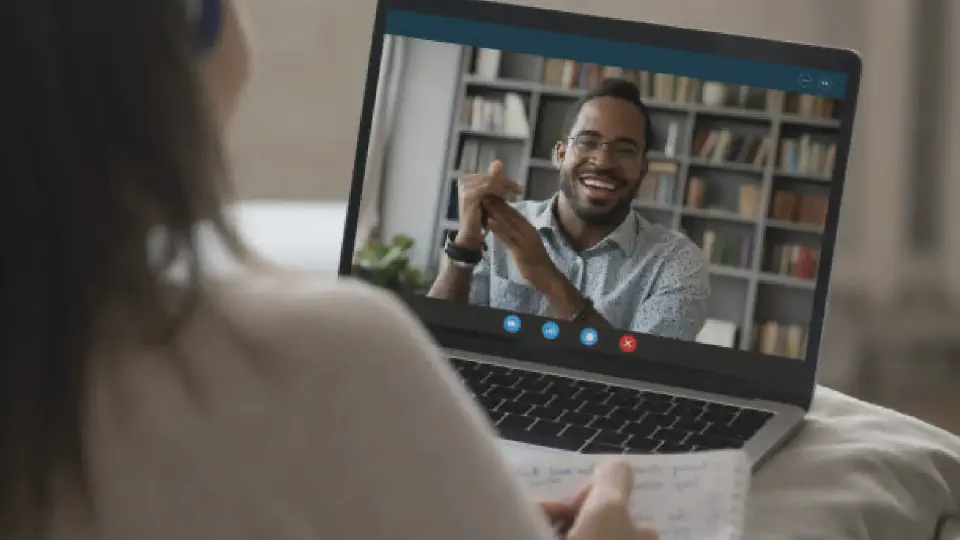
x,y
460,254
458,263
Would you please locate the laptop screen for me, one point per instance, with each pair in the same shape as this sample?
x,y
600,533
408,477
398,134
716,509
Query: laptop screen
x,y
596,194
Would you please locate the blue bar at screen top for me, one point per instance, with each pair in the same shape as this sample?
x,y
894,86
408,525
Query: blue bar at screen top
x,y
702,66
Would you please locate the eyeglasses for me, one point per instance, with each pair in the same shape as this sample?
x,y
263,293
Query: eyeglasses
x,y
623,151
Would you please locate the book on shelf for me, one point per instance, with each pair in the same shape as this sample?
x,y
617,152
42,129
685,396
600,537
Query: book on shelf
x,y
727,249
809,106
802,155
569,74
672,88
794,260
748,202
698,198
487,64
800,208
507,116
515,116
780,339
667,87
774,100
696,193
659,186
724,146
748,97
670,142
476,156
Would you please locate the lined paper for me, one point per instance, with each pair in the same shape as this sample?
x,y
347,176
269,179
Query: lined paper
x,y
698,496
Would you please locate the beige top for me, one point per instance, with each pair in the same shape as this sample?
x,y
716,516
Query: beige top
x,y
323,411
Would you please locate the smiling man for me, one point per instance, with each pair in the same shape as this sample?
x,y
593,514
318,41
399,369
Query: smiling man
x,y
584,255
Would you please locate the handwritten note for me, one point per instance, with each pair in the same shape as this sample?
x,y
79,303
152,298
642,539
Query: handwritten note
x,y
696,496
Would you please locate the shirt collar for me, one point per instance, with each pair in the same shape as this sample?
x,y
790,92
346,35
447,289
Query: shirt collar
x,y
625,236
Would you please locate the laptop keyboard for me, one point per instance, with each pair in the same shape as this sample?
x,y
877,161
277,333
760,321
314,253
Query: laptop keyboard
x,y
591,417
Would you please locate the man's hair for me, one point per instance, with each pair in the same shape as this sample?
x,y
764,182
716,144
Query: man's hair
x,y
614,88
107,136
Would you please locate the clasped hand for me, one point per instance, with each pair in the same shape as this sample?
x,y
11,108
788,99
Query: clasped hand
x,y
487,193
522,241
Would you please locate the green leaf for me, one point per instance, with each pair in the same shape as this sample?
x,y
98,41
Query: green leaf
x,y
395,255
403,242
388,265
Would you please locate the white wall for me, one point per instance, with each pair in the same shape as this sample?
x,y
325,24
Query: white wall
x,y
295,134
416,159
885,121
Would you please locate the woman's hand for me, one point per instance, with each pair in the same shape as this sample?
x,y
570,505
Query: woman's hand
x,y
601,510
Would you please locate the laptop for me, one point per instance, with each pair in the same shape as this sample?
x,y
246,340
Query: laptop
x,y
620,233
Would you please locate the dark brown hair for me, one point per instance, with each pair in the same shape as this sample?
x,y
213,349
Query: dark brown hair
x,y
105,136
620,89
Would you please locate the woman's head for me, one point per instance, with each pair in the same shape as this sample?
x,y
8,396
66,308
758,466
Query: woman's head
x,y
110,120
223,34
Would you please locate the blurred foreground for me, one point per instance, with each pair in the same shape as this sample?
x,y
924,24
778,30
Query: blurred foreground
x,y
905,355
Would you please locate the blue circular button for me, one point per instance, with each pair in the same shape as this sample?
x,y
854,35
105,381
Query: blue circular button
x,y
511,324
588,336
551,330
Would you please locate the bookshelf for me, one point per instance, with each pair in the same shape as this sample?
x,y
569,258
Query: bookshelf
x,y
745,173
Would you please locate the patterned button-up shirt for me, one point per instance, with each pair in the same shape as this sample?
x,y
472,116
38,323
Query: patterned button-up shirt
x,y
642,277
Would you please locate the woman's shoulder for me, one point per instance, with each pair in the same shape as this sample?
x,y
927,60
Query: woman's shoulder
x,y
347,390
301,315
298,293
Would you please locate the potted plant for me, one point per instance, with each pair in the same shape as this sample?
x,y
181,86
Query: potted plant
x,y
388,266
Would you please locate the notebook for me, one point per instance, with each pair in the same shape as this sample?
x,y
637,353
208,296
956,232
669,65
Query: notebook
x,y
698,496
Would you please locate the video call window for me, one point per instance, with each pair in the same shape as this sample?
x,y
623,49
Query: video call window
x,y
729,189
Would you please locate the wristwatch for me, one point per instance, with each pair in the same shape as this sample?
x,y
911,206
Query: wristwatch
x,y
460,255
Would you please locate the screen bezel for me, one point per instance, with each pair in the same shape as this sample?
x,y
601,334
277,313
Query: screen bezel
x,y
666,361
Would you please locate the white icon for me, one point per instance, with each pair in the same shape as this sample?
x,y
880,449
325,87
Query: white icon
x,y
588,336
826,83
805,79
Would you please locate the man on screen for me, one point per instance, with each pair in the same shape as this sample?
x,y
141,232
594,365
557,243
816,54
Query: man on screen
x,y
585,254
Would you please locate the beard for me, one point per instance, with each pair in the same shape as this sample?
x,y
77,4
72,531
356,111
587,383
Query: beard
x,y
592,213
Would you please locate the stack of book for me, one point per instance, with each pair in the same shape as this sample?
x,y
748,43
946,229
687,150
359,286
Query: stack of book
x,y
476,156
505,116
569,74
793,260
659,185
797,208
780,339
727,249
748,202
802,155
809,106
724,146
